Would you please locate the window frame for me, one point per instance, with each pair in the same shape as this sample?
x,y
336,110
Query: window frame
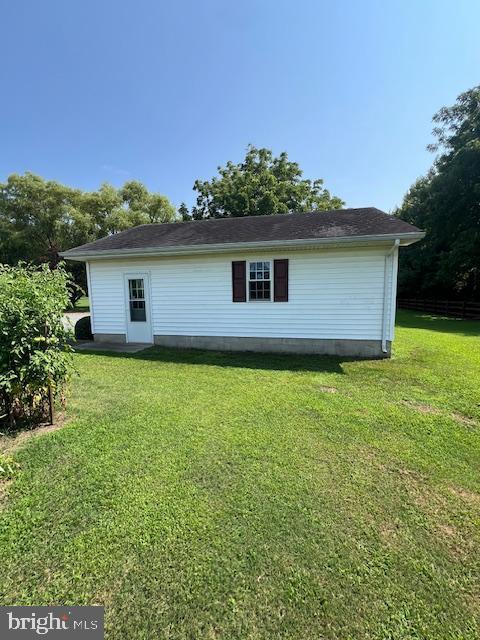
x,y
271,279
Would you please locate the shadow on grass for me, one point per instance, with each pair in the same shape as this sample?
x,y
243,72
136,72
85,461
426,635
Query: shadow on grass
x,y
289,362
419,320
240,359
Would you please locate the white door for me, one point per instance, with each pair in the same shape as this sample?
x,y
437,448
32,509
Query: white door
x,y
137,296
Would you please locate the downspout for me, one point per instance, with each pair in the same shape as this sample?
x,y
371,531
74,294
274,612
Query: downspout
x,y
385,294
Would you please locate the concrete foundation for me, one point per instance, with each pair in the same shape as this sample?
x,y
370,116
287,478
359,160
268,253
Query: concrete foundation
x,y
355,348
111,338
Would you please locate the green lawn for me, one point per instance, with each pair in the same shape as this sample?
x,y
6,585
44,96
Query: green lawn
x,y
206,495
82,304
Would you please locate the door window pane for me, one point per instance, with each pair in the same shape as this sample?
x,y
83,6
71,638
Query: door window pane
x,y
137,311
136,291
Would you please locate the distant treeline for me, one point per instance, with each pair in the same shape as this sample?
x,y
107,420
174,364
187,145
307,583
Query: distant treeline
x,y
446,204
40,218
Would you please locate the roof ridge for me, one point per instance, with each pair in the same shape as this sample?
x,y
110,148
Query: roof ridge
x,y
261,216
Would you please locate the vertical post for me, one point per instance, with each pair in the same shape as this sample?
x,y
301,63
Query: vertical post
x,y
50,403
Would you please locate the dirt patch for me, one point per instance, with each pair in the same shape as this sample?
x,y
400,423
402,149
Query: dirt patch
x,y
324,389
460,546
436,507
422,407
471,497
10,444
447,530
407,473
426,498
388,534
419,490
468,422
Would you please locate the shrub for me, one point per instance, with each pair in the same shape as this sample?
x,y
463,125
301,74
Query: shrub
x,y
83,329
34,351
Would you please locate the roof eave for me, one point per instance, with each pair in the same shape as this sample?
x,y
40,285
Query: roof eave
x,y
405,239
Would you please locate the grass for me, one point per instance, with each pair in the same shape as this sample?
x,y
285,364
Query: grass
x,y
82,304
245,496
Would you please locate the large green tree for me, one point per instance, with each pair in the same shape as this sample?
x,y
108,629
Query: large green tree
x,y
144,206
446,204
40,218
36,218
261,184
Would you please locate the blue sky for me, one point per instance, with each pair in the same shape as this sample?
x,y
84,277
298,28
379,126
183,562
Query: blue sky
x,y
164,92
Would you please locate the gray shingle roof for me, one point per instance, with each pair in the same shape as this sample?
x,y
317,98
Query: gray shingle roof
x,y
297,226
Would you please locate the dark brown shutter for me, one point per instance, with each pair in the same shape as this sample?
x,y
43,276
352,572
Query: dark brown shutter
x,y
280,277
239,281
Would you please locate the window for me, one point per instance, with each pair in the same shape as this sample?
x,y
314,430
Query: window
x,y
259,281
136,291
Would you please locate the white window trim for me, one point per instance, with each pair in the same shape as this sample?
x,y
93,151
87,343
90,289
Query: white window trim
x,y
270,261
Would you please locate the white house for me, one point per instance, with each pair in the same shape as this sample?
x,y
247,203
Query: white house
x,y
320,282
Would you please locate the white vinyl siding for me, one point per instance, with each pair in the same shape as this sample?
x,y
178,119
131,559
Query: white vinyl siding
x,y
107,299
333,293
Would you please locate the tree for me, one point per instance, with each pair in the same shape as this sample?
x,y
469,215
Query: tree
x,y
446,204
160,209
99,212
135,194
40,218
36,218
260,185
183,212
145,207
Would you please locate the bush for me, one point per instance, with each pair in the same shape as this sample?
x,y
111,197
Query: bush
x,y
34,351
83,329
